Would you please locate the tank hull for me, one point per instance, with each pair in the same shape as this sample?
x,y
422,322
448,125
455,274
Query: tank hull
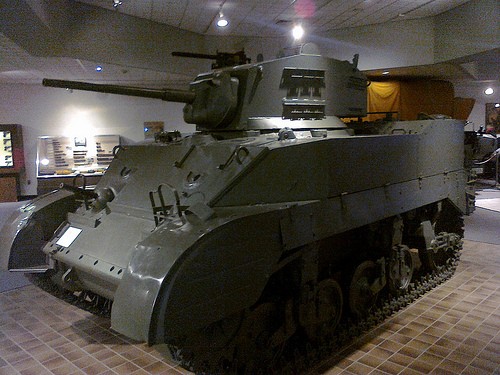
x,y
231,218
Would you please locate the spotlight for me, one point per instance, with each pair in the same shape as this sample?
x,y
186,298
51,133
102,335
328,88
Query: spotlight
x,y
298,32
222,22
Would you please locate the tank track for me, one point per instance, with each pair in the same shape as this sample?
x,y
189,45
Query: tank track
x,y
300,356
84,300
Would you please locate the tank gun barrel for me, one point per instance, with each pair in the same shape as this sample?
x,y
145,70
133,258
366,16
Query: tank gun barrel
x,y
222,59
180,96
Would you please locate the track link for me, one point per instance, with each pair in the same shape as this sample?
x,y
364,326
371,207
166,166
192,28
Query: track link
x,y
84,300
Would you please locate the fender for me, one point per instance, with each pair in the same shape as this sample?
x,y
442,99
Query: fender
x,y
30,227
179,281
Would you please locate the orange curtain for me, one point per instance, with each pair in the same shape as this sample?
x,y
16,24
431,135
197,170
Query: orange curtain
x,y
383,97
429,97
409,98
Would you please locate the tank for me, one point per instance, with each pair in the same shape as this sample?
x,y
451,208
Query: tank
x,y
275,228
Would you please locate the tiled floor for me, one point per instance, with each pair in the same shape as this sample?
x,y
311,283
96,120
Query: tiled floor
x,y
451,330
40,334
454,329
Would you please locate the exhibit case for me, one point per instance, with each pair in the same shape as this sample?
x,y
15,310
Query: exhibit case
x,y
63,159
11,161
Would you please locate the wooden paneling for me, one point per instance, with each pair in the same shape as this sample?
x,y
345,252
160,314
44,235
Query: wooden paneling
x,y
8,189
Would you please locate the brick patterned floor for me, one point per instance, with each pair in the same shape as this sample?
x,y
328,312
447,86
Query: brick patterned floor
x,y
454,329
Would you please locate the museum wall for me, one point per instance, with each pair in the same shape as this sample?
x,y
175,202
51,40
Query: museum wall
x,y
56,112
476,90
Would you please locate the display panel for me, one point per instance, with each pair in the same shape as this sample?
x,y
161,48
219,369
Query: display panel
x,y
71,156
6,154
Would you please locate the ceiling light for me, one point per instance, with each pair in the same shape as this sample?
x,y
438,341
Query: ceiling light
x,y
98,68
497,105
489,91
298,32
116,3
221,21
385,72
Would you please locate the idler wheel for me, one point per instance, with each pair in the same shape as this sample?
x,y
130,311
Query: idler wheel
x,y
324,310
254,337
361,295
441,252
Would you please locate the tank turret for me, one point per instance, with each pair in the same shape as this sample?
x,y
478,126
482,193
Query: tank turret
x,y
307,88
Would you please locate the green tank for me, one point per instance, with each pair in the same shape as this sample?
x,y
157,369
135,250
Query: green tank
x,y
275,224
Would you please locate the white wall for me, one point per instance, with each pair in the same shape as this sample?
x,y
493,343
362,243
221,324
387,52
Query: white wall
x,y
57,112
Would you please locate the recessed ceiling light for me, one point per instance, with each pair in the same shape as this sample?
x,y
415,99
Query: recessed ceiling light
x,y
385,72
222,22
489,91
98,68
497,105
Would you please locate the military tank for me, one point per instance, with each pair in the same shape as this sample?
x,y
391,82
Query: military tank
x,y
274,224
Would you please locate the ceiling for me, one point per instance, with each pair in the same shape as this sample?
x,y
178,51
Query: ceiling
x,y
249,18
267,17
